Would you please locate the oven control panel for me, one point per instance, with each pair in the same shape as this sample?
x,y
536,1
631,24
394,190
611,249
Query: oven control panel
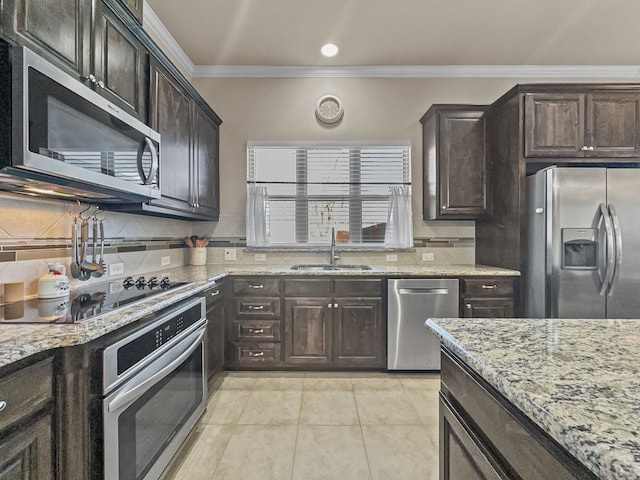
x,y
142,346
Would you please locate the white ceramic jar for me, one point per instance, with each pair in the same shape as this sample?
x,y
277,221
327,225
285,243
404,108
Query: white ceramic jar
x,y
55,283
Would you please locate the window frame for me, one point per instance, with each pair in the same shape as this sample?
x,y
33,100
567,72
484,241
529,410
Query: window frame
x,y
303,199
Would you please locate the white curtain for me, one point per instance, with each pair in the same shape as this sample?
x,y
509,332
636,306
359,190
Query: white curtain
x,y
257,211
399,230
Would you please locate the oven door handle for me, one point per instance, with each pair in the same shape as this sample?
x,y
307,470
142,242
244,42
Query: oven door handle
x,y
129,395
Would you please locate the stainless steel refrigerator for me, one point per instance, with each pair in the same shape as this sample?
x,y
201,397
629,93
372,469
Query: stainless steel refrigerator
x,y
584,243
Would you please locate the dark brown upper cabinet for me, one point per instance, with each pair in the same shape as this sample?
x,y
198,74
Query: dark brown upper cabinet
x,y
578,124
88,40
135,7
189,150
454,162
120,64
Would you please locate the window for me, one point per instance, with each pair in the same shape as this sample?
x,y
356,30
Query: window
x,y
305,190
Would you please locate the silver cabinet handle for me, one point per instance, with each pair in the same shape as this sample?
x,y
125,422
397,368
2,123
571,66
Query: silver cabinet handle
x,y
330,305
591,148
256,286
214,294
584,148
91,77
256,307
256,330
100,83
335,305
3,405
489,287
469,306
256,354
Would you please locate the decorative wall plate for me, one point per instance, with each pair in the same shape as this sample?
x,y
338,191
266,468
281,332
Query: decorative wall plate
x,y
329,109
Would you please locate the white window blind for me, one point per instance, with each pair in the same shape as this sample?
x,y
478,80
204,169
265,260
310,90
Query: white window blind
x,y
313,188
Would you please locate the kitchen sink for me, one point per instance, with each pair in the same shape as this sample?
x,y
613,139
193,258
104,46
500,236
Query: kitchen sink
x,y
323,266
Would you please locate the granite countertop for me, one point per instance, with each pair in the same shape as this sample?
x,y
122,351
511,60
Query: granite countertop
x,y
18,341
579,380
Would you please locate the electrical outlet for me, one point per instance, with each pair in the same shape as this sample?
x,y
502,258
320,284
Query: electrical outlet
x,y
392,257
116,269
165,261
428,257
261,257
229,253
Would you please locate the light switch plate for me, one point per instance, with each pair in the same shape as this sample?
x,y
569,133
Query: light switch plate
x,y
261,257
428,257
116,269
229,253
392,257
165,260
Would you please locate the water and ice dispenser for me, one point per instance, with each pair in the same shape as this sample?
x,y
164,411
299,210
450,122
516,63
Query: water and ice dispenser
x,y
580,248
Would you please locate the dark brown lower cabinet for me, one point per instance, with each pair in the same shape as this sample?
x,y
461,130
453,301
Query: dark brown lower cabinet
x,y
483,436
26,453
487,297
357,332
308,331
26,445
214,297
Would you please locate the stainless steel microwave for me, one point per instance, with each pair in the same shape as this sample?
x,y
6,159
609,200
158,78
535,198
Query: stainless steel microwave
x,y
59,138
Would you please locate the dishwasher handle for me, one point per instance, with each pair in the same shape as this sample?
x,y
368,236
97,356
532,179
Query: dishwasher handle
x,y
423,291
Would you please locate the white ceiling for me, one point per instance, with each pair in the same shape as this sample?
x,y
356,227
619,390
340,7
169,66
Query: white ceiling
x,y
404,32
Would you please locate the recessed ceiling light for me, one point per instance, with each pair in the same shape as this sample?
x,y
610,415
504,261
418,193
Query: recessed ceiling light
x,y
329,50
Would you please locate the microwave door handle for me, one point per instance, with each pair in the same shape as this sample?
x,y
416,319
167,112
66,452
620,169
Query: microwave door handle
x,y
608,228
618,248
133,393
147,179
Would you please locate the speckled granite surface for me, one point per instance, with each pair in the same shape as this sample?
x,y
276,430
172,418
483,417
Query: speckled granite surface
x,y
18,341
579,380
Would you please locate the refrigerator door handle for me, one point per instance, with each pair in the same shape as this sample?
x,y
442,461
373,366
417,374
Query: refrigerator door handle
x,y
618,248
608,228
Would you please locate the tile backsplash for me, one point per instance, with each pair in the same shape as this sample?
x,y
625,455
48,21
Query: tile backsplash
x,y
34,233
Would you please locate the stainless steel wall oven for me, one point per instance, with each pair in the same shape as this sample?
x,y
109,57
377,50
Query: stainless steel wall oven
x,y
154,390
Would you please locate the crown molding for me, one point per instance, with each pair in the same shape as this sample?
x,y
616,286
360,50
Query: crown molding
x,y
420,71
153,24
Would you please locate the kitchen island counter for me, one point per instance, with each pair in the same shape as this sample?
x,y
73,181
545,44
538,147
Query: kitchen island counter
x,y
578,380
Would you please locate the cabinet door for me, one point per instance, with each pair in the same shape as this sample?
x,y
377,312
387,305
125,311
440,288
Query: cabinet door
x,y
487,308
215,339
357,332
171,117
307,331
26,454
554,125
462,456
205,150
56,29
120,64
135,7
462,165
613,125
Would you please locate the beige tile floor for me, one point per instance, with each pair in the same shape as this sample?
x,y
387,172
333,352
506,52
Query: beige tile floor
x,y
295,426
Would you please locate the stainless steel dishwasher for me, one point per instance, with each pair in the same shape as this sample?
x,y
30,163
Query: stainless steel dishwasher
x,y
410,302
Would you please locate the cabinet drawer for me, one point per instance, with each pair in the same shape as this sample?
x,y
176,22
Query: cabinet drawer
x,y
256,286
257,307
25,391
487,286
363,287
257,353
256,330
307,287
214,295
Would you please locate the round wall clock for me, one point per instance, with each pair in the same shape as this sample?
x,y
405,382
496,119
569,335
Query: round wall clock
x,y
329,109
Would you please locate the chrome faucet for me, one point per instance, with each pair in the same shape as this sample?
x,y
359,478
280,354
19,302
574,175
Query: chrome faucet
x,y
333,254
